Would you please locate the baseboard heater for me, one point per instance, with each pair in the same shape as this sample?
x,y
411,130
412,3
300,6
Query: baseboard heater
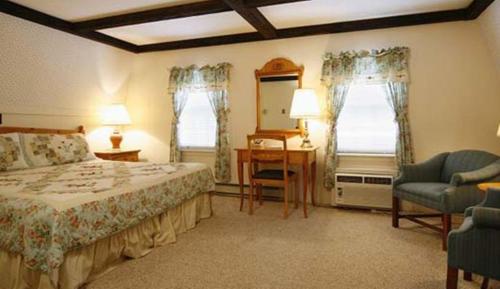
x,y
363,191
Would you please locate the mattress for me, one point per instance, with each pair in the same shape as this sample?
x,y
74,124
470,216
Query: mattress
x,y
48,211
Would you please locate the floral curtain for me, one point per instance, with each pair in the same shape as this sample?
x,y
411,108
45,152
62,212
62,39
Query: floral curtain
x,y
397,96
335,103
214,80
220,105
376,66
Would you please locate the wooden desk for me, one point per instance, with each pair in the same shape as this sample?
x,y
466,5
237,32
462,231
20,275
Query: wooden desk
x,y
485,186
296,156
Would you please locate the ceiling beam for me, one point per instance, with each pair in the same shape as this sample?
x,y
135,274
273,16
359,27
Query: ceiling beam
x,y
477,7
167,13
254,17
338,27
29,14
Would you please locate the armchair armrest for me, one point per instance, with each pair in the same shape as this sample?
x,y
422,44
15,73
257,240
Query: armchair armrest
x,y
428,171
486,217
486,173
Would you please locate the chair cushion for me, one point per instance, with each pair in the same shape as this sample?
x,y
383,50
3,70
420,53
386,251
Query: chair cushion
x,y
271,174
426,194
465,161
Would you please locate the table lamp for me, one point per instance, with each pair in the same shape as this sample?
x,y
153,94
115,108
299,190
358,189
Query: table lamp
x,y
115,115
305,106
498,132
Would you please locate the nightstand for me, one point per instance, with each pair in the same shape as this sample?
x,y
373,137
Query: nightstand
x,y
119,155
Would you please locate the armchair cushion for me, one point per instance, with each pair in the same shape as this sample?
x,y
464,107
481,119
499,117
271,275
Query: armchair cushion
x,y
428,171
465,161
486,217
425,194
271,174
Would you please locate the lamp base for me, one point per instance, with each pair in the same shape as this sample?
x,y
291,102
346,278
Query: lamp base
x,y
306,143
116,139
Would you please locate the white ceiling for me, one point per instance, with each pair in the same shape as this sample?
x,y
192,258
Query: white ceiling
x,y
281,16
328,11
225,23
78,10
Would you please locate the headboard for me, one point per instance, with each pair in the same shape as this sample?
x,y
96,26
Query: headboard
x,y
9,129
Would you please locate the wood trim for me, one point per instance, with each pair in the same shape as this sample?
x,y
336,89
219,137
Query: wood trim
x,y
11,129
171,12
274,67
254,17
153,15
477,7
331,28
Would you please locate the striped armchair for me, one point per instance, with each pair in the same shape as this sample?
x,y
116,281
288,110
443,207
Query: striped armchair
x,y
446,183
475,246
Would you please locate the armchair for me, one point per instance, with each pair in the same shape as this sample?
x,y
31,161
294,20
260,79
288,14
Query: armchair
x,y
475,246
446,183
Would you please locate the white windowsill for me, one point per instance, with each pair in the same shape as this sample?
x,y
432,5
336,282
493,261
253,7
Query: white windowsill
x,y
367,155
198,149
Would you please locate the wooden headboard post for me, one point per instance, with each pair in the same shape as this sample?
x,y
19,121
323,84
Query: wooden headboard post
x,y
9,129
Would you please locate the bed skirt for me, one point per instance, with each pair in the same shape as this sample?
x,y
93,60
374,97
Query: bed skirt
x,y
85,264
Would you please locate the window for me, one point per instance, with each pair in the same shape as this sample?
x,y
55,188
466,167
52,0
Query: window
x,y
366,123
197,124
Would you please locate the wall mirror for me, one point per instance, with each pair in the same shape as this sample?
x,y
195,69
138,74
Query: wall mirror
x,y
276,83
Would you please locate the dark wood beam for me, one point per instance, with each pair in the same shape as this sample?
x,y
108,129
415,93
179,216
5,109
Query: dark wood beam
x,y
29,14
202,42
338,27
376,23
159,14
167,13
254,17
477,7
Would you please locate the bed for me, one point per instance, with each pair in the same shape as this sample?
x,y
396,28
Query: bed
x,y
63,225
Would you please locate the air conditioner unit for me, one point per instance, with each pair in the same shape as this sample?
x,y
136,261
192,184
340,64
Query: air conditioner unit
x,y
363,190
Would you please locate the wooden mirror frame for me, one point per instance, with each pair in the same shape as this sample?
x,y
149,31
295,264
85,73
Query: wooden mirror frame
x,y
275,67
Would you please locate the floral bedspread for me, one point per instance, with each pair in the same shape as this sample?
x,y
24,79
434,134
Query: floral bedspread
x,y
48,211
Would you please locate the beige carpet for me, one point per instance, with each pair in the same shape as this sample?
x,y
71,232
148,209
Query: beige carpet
x,y
331,249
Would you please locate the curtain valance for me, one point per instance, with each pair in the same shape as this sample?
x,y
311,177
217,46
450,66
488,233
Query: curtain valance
x,y
210,78
366,66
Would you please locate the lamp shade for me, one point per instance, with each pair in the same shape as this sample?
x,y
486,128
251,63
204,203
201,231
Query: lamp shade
x,y
304,104
115,114
498,132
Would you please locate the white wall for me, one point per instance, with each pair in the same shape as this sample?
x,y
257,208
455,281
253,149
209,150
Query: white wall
x,y
490,25
53,79
49,78
454,90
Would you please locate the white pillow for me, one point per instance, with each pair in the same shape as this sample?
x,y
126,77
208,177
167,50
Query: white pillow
x,y
11,153
55,149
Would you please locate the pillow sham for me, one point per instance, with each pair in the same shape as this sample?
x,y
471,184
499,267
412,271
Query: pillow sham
x,y
55,149
11,154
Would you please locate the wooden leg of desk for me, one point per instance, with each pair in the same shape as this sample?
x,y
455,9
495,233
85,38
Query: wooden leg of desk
x,y
250,199
305,172
240,181
313,183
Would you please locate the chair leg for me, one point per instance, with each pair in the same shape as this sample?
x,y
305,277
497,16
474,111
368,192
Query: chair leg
x,y
446,229
250,199
467,276
395,212
285,209
297,193
452,278
259,194
485,283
